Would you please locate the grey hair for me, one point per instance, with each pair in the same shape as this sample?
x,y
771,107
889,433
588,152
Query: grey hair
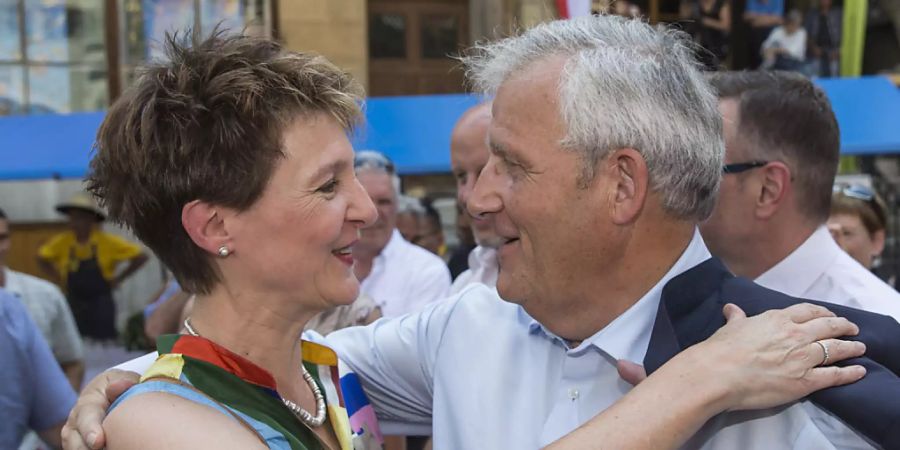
x,y
625,84
396,183
408,204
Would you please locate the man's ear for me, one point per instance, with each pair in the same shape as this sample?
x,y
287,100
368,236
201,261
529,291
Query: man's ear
x,y
205,224
627,185
878,243
774,188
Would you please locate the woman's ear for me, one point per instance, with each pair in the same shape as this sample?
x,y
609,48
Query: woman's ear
x,y
205,224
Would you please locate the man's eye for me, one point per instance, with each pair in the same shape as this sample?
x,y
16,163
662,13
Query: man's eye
x,y
329,187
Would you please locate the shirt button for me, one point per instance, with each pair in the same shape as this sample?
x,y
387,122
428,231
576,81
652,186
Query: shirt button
x,y
573,394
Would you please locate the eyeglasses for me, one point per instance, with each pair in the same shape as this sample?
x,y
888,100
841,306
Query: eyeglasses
x,y
856,191
370,159
742,167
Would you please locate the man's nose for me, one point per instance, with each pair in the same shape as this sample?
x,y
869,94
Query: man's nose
x,y
485,195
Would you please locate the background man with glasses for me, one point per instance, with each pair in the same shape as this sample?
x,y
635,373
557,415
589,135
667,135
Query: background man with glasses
x,y
782,148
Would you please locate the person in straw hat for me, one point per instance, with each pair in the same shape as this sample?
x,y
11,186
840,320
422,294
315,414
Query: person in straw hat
x,y
84,261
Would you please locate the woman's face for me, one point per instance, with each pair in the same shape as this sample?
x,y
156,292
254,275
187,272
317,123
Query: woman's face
x,y
297,238
855,239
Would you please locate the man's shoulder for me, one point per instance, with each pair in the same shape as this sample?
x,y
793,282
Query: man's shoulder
x,y
412,256
35,285
15,321
848,282
480,301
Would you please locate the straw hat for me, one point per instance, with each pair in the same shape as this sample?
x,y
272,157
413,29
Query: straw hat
x,y
83,202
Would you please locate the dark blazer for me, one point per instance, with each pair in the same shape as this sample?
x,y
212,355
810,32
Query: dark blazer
x,y
690,311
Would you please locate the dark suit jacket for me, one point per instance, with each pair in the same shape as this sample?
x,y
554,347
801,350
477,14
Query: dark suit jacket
x,y
690,311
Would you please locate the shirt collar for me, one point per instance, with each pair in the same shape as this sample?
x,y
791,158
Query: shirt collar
x,y
393,246
798,271
481,257
13,283
628,335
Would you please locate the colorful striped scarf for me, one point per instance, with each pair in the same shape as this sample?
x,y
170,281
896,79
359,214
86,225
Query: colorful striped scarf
x,y
244,387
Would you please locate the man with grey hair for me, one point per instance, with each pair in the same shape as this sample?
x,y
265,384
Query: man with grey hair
x,y
401,277
409,215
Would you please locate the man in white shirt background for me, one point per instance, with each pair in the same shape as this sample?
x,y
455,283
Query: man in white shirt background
x,y
469,154
782,150
401,277
785,48
48,308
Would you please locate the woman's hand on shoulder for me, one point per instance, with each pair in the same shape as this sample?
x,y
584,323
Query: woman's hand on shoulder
x,y
777,357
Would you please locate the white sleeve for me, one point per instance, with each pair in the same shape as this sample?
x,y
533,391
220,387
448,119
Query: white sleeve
x,y
66,340
394,360
771,40
800,50
462,280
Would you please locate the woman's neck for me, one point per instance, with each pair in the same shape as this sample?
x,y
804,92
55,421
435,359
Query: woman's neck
x,y
260,327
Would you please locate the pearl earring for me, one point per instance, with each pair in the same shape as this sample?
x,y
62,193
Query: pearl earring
x,y
223,251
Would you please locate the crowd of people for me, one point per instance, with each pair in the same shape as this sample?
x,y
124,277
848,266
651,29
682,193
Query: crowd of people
x,y
807,41
650,257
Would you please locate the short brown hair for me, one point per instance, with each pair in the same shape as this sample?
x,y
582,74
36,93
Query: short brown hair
x,y
784,116
872,213
207,125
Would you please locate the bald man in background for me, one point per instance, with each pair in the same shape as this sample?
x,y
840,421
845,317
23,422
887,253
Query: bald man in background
x,y
468,155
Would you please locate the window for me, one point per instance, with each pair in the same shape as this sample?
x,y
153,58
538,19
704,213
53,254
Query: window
x,y
146,23
387,35
54,57
440,36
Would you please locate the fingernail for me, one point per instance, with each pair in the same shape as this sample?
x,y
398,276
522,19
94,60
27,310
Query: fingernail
x,y
859,371
92,438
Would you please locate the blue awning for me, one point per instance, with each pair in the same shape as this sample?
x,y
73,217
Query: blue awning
x,y
47,146
868,112
415,131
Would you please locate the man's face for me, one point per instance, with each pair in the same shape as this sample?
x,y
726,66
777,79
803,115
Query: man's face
x,y
4,241
468,155
381,190
732,220
549,227
408,226
81,221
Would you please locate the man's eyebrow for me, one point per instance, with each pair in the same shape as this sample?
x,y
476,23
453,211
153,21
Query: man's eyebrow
x,y
501,151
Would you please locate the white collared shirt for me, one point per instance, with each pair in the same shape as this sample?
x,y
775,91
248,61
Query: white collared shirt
x,y
483,269
820,270
405,278
49,309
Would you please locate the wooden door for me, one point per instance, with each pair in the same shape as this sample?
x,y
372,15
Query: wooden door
x,y
412,44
